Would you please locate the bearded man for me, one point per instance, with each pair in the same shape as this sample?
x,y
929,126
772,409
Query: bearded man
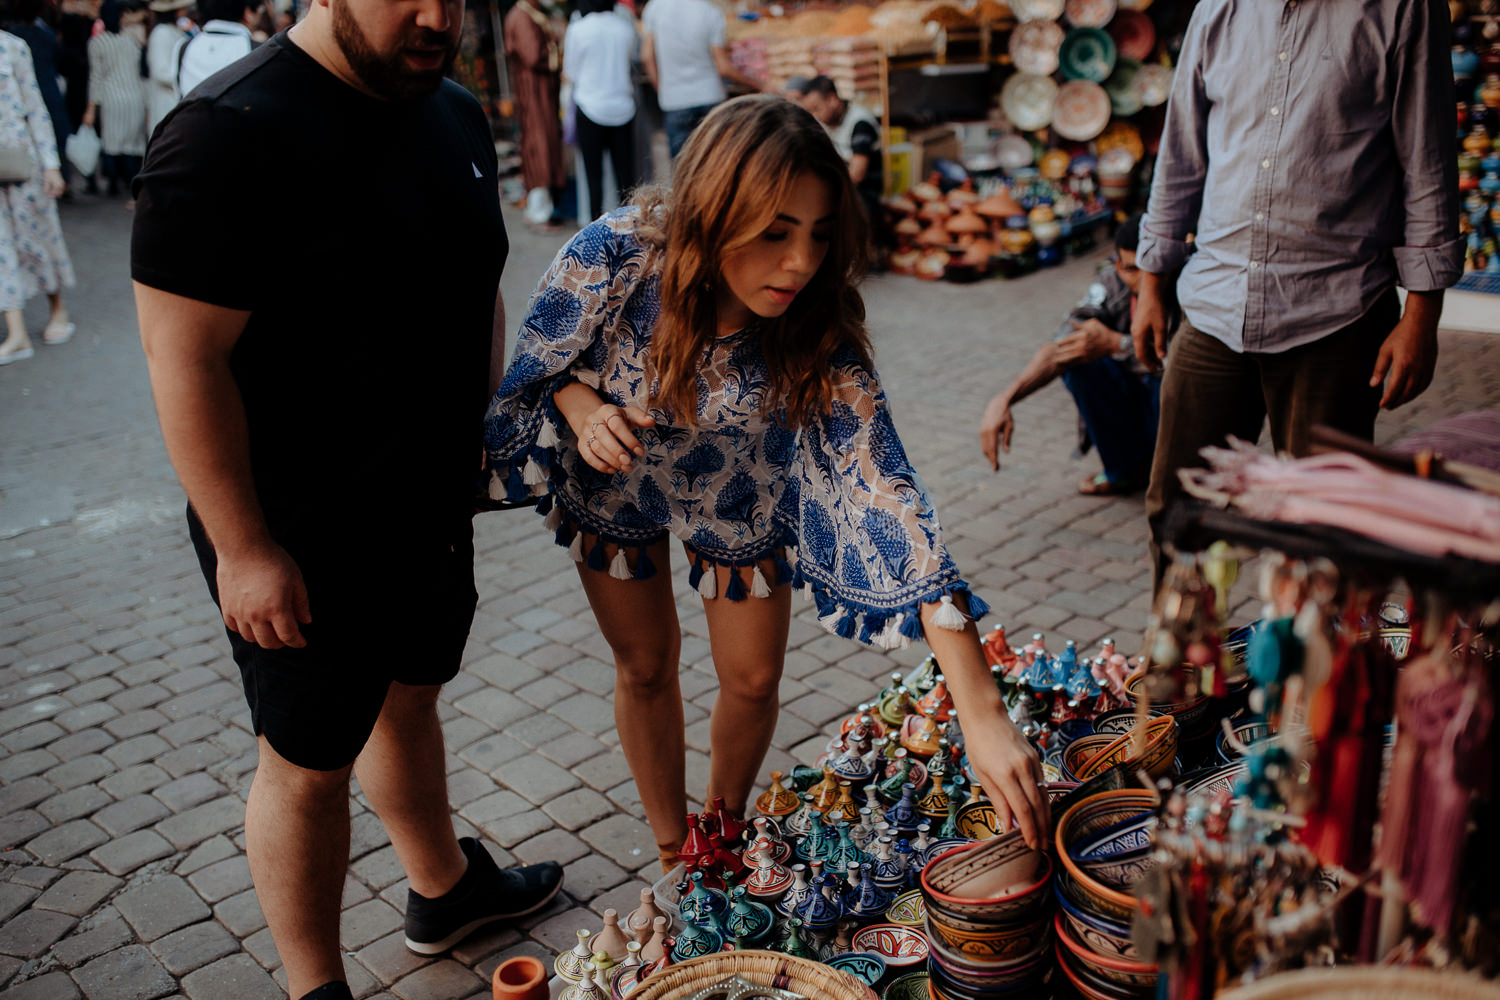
x,y
321,363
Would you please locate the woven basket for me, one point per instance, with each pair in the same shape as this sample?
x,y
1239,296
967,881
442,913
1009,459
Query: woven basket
x,y
764,968
1367,982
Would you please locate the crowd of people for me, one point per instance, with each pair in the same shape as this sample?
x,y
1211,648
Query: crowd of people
x,y
694,371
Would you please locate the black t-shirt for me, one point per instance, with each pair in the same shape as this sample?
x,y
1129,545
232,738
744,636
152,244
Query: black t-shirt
x,y
864,139
365,239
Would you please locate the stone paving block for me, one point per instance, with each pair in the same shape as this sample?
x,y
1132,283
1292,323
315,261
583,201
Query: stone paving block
x,y
123,855
604,771
441,980
136,723
80,771
201,822
16,766
86,716
102,938
571,748
80,743
553,845
202,700
560,931
190,948
222,879
14,897
191,758
211,851
262,947
237,976
378,869
137,697
25,793
74,804
591,875
462,730
161,906
131,814
60,843
368,922
366,834
578,808
130,973
78,893
191,729
389,959
137,749
48,986
468,784
241,914
134,780
188,791
623,839
536,778
33,931
493,707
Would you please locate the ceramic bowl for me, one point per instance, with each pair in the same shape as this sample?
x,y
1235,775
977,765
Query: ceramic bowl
x,y
1000,880
1156,759
1086,892
1089,13
976,820
897,946
942,845
1079,753
1123,972
1134,34
1121,87
866,966
1089,988
1131,835
1032,983
1209,782
1034,46
989,976
1104,936
912,986
1027,99
1087,54
1153,84
1081,111
982,945
1246,732
907,909
1117,721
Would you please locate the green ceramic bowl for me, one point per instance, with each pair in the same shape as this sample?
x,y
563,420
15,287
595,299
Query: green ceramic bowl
x,y
912,986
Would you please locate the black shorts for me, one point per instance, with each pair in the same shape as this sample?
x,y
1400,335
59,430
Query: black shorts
x,y
376,618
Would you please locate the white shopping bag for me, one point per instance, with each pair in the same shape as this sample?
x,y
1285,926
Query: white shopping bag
x,y
82,150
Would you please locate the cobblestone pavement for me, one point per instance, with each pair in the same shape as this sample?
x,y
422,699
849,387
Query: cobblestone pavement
x,y
126,750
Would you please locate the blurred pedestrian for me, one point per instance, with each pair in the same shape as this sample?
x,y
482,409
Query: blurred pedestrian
x,y
227,36
535,61
47,58
598,50
687,59
117,98
163,57
33,257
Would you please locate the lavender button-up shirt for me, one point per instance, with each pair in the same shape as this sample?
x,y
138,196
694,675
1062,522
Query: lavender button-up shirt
x,y
1310,148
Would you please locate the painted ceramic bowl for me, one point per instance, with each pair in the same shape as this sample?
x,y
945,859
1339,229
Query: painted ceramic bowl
x,y
942,845
989,976
1134,34
1013,151
1121,87
866,966
988,945
1246,732
1027,99
907,909
1089,13
1034,46
1079,754
1000,880
1155,759
1087,54
1117,721
1103,936
912,986
897,946
1082,110
1122,972
1078,825
1033,982
1153,84
976,820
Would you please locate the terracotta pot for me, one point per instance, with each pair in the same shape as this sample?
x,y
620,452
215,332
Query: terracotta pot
x,y
966,222
520,978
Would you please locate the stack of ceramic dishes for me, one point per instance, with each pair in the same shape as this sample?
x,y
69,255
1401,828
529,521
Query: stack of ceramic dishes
x,y
1104,843
989,921
1091,756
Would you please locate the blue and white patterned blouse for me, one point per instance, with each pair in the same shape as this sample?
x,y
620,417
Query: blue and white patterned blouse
x,y
843,500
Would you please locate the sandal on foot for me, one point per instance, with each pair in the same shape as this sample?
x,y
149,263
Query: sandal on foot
x,y
1103,486
17,354
59,333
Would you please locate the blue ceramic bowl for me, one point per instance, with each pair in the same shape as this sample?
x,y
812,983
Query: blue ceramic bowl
x,y
1100,934
866,966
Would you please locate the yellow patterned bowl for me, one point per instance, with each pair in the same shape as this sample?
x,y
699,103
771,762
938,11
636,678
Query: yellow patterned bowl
x,y
907,909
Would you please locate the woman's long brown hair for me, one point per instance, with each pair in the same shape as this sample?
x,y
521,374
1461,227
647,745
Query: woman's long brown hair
x,y
732,177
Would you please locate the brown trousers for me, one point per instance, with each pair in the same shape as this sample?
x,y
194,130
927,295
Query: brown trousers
x,y
1209,393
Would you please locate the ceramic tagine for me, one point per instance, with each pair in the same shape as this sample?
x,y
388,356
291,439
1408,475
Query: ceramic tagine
x,y
777,801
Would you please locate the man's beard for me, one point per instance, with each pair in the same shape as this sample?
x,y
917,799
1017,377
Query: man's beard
x,y
387,75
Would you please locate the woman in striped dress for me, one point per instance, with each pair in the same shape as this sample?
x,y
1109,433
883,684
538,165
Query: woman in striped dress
x,y
117,98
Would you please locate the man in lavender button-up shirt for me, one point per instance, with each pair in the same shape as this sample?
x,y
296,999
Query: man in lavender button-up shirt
x,y
1309,150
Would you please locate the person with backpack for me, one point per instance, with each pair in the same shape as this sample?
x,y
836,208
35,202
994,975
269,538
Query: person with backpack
x,y
226,38
164,48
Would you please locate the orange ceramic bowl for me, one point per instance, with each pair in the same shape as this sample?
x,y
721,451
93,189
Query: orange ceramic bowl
x,y
1093,814
943,876
1161,748
1122,972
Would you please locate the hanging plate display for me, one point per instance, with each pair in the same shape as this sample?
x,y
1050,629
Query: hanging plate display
x,y
1027,100
1081,111
1037,10
1153,84
1134,34
1034,45
1121,88
1087,54
1089,13
1013,151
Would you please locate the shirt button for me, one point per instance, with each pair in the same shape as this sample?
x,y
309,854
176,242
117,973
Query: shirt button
x,y
1259,216
1254,265
1282,57
1265,164
1275,112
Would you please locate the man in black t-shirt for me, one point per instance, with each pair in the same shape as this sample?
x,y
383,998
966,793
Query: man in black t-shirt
x,y
327,431
856,134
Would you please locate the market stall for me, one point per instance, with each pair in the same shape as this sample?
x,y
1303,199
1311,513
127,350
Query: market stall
x,y
1297,806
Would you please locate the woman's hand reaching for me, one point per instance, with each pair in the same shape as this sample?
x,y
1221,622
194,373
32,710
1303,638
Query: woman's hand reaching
x,y
607,440
1008,768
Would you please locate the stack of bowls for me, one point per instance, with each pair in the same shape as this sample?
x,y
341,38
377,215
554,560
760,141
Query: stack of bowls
x,y
989,921
1104,843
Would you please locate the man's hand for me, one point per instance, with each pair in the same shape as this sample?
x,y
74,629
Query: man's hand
x,y
1408,357
263,597
1093,341
996,428
1148,327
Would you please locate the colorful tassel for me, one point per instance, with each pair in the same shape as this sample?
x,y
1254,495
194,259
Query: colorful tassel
x,y
845,627
497,486
707,584
891,637
783,569
948,616
911,626
515,484
830,621
644,568
735,588
874,627
827,606
534,475
977,607
596,555
618,567
575,548
758,585
547,436
695,575
554,521
544,505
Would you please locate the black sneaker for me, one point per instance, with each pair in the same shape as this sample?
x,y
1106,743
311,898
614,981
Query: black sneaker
x,y
485,895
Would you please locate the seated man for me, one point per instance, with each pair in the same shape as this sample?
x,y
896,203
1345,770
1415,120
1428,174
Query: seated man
x,y
856,135
1118,400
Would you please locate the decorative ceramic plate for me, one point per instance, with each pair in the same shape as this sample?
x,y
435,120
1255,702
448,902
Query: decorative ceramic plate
x,y
1089,13
1153,84
899,946
1127,136
1028,100
1087,54
1033,10
1120,86
1116,162
908,910
1034,45
1013,152
1054,165
1134,34
977,820
1082,110
912,986
866,966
